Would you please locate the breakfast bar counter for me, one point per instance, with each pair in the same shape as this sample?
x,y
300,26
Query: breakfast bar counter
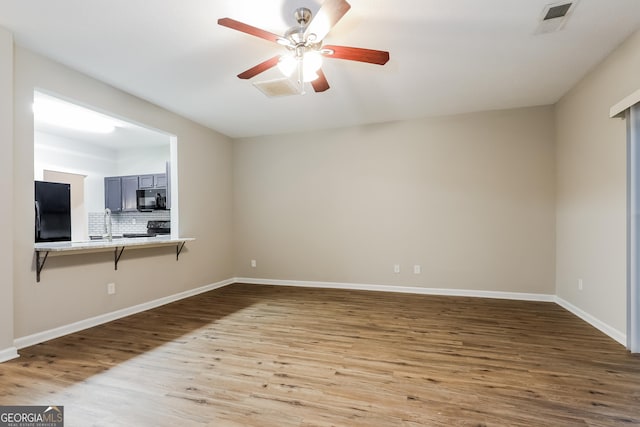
x,y
117,245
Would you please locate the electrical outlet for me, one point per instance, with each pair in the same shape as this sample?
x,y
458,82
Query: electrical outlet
x,y
396,268
254,264
111,288
417,269
580,284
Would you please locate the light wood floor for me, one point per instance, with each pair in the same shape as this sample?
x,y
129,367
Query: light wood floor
x,y
249,355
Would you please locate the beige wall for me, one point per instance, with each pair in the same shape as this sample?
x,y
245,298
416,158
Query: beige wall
x,y
73,288
6,178
469,198
591,202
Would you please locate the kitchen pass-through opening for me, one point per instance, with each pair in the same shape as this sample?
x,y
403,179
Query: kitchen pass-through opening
x,y
106,159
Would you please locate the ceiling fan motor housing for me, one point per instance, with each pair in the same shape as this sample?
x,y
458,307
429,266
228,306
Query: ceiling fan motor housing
x,y
296,34
303,16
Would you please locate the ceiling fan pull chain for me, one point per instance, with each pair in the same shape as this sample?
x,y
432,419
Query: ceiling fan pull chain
x,y
300,75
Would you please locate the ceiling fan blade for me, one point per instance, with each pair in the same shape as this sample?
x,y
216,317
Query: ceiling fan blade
x,y
261,67
329,14
254,31
320,84
371,56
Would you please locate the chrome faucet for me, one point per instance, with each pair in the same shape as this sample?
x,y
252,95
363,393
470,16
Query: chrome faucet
x,y
108,225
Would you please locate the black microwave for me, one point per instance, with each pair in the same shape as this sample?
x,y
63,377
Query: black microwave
x,y
151,200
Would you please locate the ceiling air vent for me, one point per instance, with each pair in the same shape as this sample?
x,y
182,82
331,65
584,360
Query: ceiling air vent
x,y
554,16
559,11
278,87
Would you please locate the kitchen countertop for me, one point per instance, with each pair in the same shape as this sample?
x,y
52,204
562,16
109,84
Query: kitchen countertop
x,y
105,244
44,249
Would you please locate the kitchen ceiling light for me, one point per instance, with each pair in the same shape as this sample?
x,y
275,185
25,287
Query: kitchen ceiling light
x,y
63,114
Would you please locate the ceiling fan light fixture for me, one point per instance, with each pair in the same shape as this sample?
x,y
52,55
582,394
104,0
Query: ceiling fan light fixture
x,y
309,77
287,65
312,61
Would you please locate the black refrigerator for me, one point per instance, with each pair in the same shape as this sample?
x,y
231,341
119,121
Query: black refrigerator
x,y
53,211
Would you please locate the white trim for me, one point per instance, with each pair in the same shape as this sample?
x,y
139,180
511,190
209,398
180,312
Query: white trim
x,y
8,354
618,110
11,353
633,228
402,289
108,317
596,323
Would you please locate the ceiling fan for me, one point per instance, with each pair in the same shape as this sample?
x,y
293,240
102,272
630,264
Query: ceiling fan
x,y
304,50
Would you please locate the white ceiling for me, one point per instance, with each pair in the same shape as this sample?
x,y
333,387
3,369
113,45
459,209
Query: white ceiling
x,y
447,56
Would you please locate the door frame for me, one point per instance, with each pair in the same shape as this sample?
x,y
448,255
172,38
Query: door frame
x,y
633,228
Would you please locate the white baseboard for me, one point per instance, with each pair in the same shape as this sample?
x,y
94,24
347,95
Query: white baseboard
x,y
11,353
596,323
8,354
401,289
108,317
603,327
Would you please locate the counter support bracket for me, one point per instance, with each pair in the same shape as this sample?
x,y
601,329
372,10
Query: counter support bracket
x,y
179,249
116,256
40,264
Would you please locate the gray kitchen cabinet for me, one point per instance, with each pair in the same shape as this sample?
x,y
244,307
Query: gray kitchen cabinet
x,y
158,180
146,181
129,188
120,193
113,193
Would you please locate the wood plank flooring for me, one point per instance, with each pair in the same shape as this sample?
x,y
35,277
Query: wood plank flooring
x,y
249,355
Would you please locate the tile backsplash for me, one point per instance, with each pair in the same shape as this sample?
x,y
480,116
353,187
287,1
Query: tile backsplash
x,y
125,222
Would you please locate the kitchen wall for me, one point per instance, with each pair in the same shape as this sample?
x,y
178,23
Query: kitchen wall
x,y
7,350
591,202
142,160
469,198
73,288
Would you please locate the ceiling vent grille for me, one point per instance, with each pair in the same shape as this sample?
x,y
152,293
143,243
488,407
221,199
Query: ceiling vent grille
x,y
559,11
554,16
278,87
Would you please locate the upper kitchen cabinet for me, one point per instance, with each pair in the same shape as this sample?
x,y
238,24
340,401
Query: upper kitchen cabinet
x,y
152,181
113,193
129,188
160,180
120,193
